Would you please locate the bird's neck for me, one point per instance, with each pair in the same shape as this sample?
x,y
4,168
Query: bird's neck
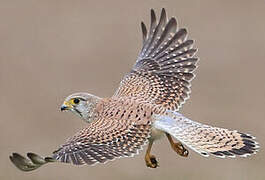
x,y
92,108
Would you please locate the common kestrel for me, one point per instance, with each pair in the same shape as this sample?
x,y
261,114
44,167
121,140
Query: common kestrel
x,y
144,108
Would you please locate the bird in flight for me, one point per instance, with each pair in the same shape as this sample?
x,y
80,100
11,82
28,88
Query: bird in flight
x,y
143,109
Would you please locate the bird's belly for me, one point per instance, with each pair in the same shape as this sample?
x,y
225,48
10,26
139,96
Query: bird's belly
x,y
156,134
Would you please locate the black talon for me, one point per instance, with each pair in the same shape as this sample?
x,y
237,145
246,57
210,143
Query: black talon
x,y
153,160
186,152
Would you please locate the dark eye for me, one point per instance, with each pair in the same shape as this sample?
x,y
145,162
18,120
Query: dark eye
x,y
76,101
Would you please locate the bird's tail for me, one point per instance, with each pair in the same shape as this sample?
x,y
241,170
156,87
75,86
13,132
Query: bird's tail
x,y
205,139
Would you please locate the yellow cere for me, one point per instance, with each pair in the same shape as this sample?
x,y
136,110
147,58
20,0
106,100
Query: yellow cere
x,y
69,103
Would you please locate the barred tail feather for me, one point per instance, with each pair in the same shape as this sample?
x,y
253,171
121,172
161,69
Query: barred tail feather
x,y
205,139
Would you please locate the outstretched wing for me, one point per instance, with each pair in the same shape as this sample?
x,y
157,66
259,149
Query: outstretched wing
x,y
165,65
120,133
103,140
122,127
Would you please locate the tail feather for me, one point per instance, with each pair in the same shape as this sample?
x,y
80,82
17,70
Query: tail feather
x,y
205,139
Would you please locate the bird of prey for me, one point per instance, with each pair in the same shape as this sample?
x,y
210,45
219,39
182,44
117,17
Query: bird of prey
x,y
145,108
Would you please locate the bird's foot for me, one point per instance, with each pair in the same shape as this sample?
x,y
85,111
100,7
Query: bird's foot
x,y
180,149
151,161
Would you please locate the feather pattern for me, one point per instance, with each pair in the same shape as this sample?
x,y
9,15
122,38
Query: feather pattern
x,y
205,139
144,106
121,129
165,65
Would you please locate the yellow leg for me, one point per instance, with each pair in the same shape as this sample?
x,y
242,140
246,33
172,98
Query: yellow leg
x,y
150,160
177,147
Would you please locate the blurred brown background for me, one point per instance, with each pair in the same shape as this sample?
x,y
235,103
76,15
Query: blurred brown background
x,y
50,49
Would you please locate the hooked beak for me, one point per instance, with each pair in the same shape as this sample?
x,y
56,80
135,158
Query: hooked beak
x,y
65,107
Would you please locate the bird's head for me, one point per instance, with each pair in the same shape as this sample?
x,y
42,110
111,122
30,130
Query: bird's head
x,y
81,104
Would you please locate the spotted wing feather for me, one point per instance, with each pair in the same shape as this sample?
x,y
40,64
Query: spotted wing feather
x,y
165,65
